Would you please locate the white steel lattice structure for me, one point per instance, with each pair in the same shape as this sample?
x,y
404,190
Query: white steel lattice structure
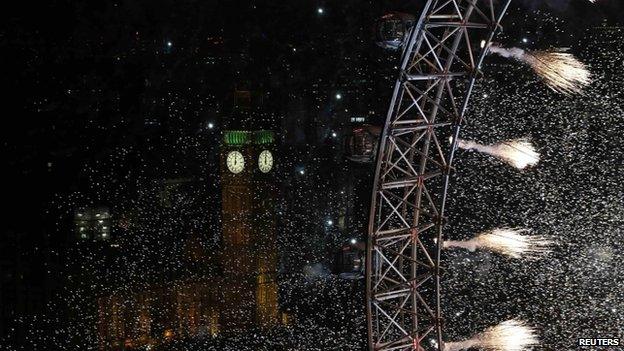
x,y
441,58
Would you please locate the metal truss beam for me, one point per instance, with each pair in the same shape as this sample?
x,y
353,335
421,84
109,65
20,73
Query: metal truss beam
x,y
440,62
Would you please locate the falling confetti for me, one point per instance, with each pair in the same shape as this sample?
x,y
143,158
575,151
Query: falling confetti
x,y
118,113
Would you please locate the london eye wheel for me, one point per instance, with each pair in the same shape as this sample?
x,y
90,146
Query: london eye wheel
x,y
442,54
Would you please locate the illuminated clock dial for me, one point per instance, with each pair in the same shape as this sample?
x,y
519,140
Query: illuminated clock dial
x,y
265,161
235,162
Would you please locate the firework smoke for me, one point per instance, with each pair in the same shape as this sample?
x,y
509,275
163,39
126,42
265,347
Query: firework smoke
x,y
515,243
460,345
511,335
518,153
560,70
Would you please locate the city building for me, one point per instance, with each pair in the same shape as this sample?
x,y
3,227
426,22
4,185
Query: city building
x,y
239,292
93,223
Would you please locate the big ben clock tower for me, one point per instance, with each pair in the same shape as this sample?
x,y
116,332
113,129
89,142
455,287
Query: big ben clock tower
x,y
249,256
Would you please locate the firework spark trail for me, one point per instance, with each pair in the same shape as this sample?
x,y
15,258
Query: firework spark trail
x,y
560,70
460,345
511,335
515,243
518,153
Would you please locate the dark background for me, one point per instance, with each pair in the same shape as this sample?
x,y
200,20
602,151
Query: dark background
x,y
98,105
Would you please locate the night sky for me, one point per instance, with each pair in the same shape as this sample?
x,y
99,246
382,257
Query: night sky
x,y
105,101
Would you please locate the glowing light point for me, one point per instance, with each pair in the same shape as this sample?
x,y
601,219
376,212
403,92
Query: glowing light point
x,y
169,44
338,96
320,10
334,134
525,40
210,125
353,241
330,222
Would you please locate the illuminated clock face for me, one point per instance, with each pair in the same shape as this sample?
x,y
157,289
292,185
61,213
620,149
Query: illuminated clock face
x,y
265,161
235,162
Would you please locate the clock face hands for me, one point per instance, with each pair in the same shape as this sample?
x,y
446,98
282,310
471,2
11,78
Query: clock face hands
x,y
235,162
265,161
